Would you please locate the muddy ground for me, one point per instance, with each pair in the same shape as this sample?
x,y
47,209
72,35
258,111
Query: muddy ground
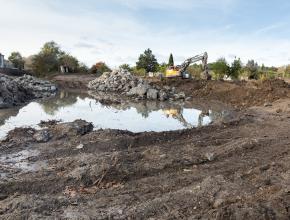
x,y
237,169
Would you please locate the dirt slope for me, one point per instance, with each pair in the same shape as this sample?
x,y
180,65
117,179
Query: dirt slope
x,y
234,170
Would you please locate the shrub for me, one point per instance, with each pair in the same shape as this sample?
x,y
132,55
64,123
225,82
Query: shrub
x,y
220,68
99,68
139,72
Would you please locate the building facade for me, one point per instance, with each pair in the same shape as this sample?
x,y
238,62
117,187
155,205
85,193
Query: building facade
x,y
2,62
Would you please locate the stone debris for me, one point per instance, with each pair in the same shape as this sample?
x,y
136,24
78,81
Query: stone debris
x,y
16,91
39,88
42,136
75,128
123,82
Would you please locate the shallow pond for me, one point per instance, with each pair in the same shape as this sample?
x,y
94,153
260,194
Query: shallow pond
x,y
68,106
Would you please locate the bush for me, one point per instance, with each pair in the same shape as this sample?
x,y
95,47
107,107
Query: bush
x,y
195,71
235,69
83,68
252,69
162,68
99,68
220,68
126,66
139,72
17,60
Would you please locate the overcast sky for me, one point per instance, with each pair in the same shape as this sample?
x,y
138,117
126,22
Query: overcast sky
x,y
117,31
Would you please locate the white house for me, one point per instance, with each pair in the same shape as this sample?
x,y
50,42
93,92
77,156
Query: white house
x,y
2,63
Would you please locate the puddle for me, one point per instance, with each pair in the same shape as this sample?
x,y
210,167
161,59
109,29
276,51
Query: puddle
x,y
68,106
21,161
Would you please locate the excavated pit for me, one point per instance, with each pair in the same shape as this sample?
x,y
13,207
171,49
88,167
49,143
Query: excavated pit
x,y
123,114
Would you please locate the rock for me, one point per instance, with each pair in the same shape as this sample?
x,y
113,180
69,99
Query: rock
x,y
16,91
152,94
162,95
123,82
80,146
209,156
181,95
268,104
78,127
42,136
140,91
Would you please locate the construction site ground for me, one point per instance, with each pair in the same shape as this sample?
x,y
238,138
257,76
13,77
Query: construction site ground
x,y
238,169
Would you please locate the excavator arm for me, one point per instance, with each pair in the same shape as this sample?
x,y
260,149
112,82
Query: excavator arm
x,y
202,57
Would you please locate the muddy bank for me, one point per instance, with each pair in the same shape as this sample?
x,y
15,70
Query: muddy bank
x,y
75,81
240,94
235,170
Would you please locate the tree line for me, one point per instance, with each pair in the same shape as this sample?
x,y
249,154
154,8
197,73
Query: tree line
x,y
51,57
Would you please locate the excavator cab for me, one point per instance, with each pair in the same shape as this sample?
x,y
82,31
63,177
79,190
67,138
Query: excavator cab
x,y
172,71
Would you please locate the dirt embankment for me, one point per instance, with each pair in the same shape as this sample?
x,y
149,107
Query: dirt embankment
x,y
240,94
238,169
73,81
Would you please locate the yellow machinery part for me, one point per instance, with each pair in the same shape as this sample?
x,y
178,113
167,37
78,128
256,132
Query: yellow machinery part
x,y
171,112
172,73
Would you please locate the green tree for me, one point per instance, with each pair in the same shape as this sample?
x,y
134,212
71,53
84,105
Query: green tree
x,y
220,68
71,62
147,61
17,60
171,60
287,71
252,69
235,69
126,66
47,60
162,67
83,68
99,68
195,70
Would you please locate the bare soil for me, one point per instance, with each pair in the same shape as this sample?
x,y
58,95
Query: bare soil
x,y
237,169
73,81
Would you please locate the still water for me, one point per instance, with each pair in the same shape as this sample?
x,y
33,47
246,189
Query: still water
x,y
68,106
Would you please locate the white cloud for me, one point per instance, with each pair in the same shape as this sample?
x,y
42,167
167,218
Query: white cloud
x,y
119,38
175,5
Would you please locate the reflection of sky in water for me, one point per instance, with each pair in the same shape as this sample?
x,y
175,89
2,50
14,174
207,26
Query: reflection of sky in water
x,y
101,116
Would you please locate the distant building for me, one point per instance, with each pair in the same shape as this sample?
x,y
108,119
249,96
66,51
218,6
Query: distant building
x,y
2,62
8,64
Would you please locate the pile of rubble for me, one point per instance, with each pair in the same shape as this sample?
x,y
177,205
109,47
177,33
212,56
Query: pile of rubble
x,y
16,91
39,88
123,82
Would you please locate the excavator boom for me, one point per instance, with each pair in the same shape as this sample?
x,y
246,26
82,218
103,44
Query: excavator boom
x,y
182,68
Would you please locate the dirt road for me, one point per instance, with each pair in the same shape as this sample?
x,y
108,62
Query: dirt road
x,y
233,170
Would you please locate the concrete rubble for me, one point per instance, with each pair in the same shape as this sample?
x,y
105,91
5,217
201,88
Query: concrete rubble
x,y
123,82
16,91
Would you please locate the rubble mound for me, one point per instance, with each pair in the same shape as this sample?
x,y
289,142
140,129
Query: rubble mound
x,y
16,91
39,88
123,82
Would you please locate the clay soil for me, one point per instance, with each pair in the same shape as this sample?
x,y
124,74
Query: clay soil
x,y
239,169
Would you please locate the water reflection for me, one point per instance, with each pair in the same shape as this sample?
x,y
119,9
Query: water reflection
x,y
120,114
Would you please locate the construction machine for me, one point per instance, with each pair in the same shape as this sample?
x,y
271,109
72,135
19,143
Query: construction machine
x,y
180,70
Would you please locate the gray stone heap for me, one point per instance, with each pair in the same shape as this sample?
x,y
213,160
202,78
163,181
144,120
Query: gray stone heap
x,y
16,91
123,82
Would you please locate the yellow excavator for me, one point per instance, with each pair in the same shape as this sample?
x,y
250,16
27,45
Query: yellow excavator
x,y
180,70
178,114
